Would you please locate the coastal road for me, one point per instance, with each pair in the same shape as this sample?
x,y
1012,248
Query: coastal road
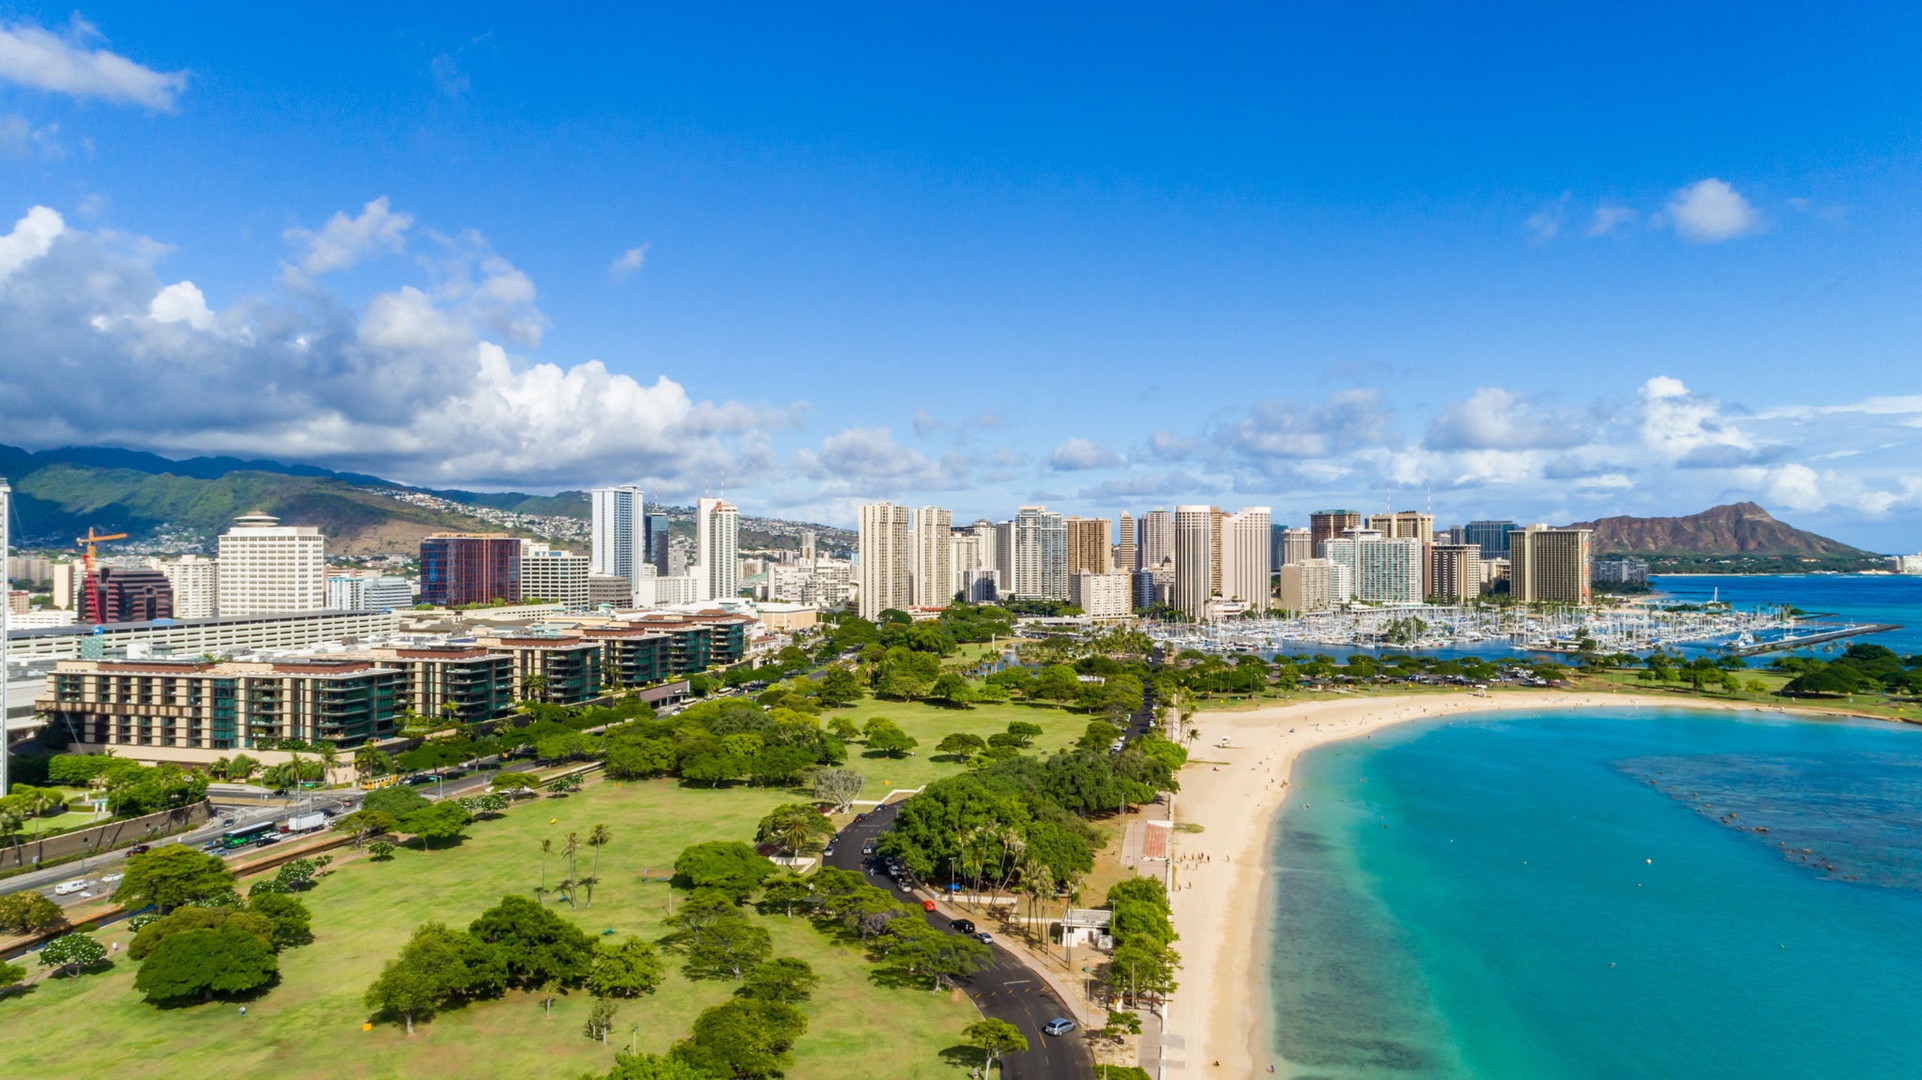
x,y
1005,990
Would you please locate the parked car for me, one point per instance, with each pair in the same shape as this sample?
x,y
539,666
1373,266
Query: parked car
x,y
139,849
1060,1025
984,937
965,926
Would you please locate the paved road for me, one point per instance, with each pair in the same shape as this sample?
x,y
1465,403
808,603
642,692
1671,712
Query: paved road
x,y
1005,990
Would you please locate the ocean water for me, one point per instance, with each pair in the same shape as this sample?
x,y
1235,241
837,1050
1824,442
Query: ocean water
x,y
1669,893
1862,598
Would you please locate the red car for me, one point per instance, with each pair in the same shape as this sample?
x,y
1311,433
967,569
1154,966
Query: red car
x,y
927,905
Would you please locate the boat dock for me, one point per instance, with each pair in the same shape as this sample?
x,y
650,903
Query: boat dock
x,y
1784,644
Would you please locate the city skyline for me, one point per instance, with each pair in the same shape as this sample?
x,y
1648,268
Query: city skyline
x,y
1210,292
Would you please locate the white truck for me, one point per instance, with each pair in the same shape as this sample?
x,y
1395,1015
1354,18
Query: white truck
x,y
304,823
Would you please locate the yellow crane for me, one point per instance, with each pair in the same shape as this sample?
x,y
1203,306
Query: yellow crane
x,y
93,583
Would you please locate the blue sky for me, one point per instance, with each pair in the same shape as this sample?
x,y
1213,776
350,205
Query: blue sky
x,y
1531,264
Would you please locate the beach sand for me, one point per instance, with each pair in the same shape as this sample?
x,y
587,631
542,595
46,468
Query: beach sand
x,y
1233,793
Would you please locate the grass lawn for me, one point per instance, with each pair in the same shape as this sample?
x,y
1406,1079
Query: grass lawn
x,y
310,1025
932,723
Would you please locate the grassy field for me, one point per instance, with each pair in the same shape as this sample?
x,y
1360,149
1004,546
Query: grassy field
x,y
310,1025
932,723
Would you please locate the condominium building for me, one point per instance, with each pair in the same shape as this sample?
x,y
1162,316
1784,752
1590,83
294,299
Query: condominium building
x,y
1193,557
556,670
1491,536
266,568
355,591
196,584
1155,536
459,569
964,558
886,539
556,576
125,594
1040,555
1126,544
618,541
1102,596
1088,545
820,583
458,684
1215,518
1386,570
657,546
717,548
1313,585
664,590
1548,565
157,710
1454,571
1296,545
1247,550
1326,525
933,579
1405,523
1629,570
616,592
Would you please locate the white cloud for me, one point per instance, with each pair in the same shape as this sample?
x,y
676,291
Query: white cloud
x,y
19,139
418,384
35,57
1710,211
1544,224
628,263
868,461
1497,419
1078,454
345,241
1607,219
448,78
1677,421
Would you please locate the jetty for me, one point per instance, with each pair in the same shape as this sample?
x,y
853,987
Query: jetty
x,y
1821,635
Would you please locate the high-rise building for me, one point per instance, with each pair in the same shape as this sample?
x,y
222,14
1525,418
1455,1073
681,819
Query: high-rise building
x,y
657,535
1413,523
1004,553
120,594
196,583
933,557
618,543
717,547
1194,541
1088,545
1386,570
457,569
964,558
1040,547
364,591
1490,536
1297,545
1247,553
1125,544
266,568
1156,535
1313,585
1102,596
1215,518
1548,565
887,559
1326,525
1629,570
558,577
1455,571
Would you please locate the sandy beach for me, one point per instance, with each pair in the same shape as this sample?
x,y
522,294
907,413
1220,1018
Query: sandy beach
x,y
1234,793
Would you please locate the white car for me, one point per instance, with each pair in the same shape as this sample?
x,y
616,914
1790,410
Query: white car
x,y
68,888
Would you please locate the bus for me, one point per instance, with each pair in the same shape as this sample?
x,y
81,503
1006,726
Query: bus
x,y
247,834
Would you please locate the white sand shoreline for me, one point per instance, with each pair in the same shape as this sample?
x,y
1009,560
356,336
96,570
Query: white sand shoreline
x,y
1216,1018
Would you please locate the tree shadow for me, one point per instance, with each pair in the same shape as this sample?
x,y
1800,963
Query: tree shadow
x,y
244,997
963,1056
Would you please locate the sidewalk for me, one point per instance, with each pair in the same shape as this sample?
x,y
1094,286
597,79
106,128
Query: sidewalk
x,y
1050,968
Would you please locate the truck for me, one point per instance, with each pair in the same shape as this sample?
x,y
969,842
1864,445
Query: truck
x,y
304,823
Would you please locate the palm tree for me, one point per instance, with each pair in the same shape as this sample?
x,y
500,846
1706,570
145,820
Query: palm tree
x,y
570,849
534,688
547,848
597,839
329,761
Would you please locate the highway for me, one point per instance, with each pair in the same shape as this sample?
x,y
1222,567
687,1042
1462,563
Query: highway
x,y
1005,990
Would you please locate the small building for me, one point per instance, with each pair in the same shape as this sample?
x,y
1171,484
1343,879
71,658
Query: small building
x,y
1087,927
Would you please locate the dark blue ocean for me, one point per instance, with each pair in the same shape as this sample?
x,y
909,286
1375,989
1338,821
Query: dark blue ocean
x,y
1861,598
1668,893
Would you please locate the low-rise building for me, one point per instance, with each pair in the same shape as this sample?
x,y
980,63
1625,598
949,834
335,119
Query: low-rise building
x,y
556,670
1102,596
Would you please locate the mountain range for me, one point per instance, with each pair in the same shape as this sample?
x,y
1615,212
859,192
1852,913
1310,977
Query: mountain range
x,y
1738,536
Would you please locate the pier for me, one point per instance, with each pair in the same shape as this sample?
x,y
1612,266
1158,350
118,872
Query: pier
x,y
1784,644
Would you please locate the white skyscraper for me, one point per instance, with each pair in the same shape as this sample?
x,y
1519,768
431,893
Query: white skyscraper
x,y
196,584
1386,570
1156,535
1040,544
933,557
887,559
266,568
554,576
717,547
1247,553
1194,557
619,538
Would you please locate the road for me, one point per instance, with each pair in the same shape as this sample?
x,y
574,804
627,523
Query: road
x,y
1005,990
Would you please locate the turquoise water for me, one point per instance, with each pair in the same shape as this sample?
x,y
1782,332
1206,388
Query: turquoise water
x,y
1862,598
1602,894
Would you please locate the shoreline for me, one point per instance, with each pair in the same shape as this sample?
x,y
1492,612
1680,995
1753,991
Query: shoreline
x,y
1217,1023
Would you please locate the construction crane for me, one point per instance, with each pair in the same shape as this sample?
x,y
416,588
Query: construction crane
x,y
93,582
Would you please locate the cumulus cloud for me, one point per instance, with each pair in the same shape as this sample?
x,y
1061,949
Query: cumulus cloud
x,y
627,263
67,64
345,241
1076,454
1288,430
869,461
1497,419
1710,211
418,383
1171,446
1677,422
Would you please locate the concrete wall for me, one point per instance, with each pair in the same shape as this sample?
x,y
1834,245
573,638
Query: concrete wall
x,y
104,837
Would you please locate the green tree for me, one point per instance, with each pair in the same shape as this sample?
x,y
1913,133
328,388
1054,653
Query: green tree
x,y
1025,731
784,891
397,801
366,824
535,945
600,1019
11,976
630,969
838,786
437,967
796,828
437,821
225,959
727,948
654,1067
783,979
912,947
29,913
71,954
843,729
744,1039
884,736
372,762
187,919
382,850
728,865
961,745
838,687
996,1038
289,919
1142,966
170,876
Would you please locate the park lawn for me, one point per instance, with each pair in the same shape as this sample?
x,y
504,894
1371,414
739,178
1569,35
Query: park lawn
x,y
310,1024
932,723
